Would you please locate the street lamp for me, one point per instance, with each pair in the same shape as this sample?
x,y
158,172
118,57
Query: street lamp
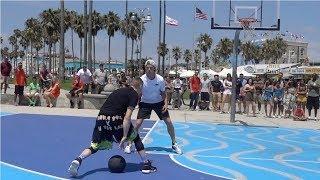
x,y
143,16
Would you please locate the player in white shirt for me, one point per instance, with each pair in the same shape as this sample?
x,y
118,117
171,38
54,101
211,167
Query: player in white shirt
x,y
154,98
86,77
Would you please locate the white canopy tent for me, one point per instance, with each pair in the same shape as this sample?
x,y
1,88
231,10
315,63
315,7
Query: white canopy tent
x,y
226,71
209,72
186,74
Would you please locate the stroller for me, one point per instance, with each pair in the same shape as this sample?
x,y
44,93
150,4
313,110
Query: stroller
x,y
176,99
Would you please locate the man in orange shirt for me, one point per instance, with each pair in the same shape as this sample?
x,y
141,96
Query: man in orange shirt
x,y
52,93
195,85
76,92
20,82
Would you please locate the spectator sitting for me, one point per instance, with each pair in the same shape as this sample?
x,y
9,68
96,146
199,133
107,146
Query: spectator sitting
x,y
45,77
34,91
20,82
113,78
76,92
52,93
123,81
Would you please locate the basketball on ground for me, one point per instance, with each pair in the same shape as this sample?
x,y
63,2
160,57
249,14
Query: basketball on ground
x,y
117,164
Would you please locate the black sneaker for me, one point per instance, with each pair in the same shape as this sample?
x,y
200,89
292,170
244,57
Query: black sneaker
x,y
148,168
71,104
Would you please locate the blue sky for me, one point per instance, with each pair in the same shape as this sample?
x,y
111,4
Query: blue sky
x,y
298,17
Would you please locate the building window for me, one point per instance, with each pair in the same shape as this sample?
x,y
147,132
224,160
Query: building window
x,y
302,52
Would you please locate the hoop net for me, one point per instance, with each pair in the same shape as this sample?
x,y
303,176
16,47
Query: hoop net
x,y
248,28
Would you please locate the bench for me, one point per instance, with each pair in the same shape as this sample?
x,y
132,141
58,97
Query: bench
x,y
95,100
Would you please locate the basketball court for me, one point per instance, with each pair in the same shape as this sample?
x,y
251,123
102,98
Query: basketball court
x,y
42,146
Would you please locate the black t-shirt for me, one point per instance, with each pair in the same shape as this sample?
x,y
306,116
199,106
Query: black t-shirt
x,y
118,102
216,85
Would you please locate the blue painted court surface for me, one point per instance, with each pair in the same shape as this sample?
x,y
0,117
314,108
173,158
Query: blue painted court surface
x,y
42,147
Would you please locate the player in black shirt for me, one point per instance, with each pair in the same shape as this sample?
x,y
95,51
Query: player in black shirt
x,y
113,124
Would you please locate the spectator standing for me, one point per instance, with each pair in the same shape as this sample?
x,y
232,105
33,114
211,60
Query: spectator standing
x,y
259,90
267,97
194,90
249,99
216,90
205,86
20,82
227,86
289,100
184,89
302,95
313,95
52,94
5,74
169,89
123,81
240,95
86,77
99,77
278,94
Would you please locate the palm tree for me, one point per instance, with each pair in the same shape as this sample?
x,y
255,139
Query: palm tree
x,y
162,51
63,28
273,49
38,45
197,57
5,52
111,24
187,55
248,51
96,27
12,41
204,44
225,48
214,56
79,28
176,53
73,19
90,36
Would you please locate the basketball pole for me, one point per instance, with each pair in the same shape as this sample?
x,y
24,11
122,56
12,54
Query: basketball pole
x,y
234,76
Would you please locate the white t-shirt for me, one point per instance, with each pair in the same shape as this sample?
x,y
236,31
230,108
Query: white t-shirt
x,y
100,77
227,86
205,85
85,76
152,89
177,83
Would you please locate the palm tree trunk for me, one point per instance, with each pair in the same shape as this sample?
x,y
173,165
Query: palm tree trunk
x,y
38,61
164,32
50,57
90,37
132,45
85,33
26,58
80,58
31,60
54,57
176,66
109,58
205,59
126,43
44,53
72,49
160,16
187,65
94,52
61,50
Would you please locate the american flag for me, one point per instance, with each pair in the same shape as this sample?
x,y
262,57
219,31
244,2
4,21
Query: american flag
x,y
201,15
171,21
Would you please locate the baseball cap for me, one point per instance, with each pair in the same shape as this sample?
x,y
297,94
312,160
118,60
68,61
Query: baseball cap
x,y
150,62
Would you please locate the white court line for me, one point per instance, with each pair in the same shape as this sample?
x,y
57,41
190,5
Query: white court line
x,y
147,135
264,159
147,129
30,171
177,162
143,132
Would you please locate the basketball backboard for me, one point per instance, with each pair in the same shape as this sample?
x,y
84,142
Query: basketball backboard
x,y
228,14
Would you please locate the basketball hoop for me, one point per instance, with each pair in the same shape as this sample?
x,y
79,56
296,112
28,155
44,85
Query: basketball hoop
x,y
248,28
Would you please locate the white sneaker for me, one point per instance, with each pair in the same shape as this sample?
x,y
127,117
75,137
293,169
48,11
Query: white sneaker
x,y
176,148
73,169
127,149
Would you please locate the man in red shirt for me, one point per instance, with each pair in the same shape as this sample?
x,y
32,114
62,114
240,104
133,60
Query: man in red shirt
x,y
20,82
5,73
195,85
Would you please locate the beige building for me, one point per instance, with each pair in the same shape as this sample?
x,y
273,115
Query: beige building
x,y
296,53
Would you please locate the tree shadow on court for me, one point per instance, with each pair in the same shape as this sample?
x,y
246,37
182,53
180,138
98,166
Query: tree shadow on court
x,y
169,150
130,167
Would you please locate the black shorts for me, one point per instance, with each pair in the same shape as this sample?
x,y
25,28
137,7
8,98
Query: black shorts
x,y
107,131
18,90
146,108
312,102
205,96
73,94
86,88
